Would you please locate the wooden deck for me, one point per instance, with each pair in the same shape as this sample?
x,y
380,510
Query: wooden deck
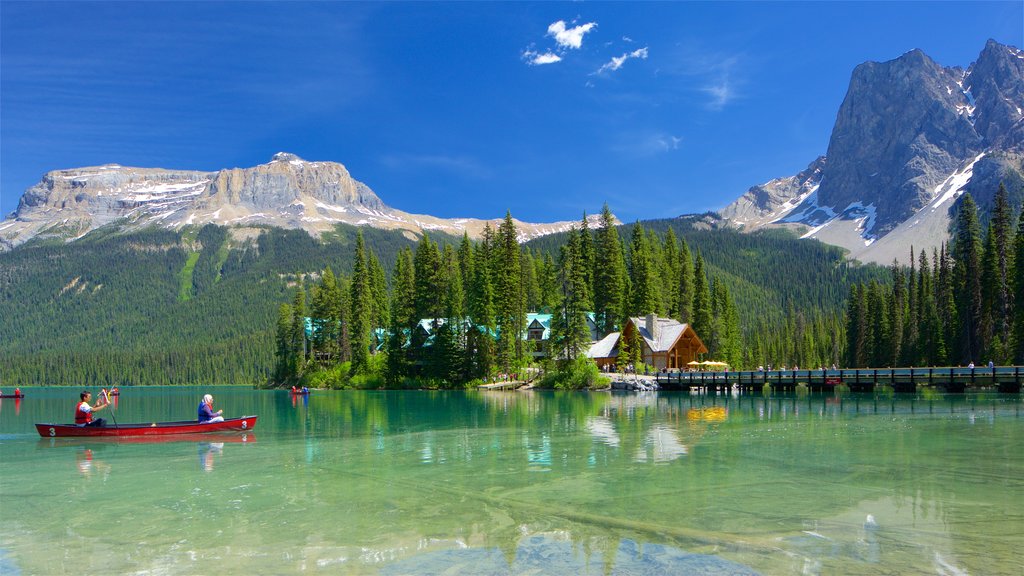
x,y
1005,379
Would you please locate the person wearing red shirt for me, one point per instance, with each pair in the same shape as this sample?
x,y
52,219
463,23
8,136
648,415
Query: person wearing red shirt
x,y
83,412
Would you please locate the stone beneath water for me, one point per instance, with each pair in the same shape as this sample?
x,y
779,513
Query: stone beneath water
x,y
542,554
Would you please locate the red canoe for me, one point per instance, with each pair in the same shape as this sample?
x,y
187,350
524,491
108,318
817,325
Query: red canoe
x,y
243,424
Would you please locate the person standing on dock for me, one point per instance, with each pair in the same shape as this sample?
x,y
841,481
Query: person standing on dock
x,y
83,412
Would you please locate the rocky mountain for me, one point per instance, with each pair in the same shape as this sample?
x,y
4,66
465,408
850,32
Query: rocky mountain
x,y
910,138
287,192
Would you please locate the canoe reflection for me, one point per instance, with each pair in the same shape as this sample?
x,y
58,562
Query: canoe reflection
x,y
232,437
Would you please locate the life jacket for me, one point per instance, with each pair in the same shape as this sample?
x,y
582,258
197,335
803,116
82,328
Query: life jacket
x,y
81,416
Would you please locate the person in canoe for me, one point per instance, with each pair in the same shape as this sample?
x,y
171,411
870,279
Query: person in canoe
x,y
206,413
83,412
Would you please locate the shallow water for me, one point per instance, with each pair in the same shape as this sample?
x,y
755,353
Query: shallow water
x,y
520,483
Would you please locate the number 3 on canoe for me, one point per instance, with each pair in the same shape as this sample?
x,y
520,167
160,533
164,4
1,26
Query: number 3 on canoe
x,y
52,431
244,424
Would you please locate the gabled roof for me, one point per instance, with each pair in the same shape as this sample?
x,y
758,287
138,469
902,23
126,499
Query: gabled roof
x,y
535,321
605,347
668,333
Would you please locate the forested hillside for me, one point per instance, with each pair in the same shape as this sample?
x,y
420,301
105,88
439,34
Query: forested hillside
x,y
157,306
200,305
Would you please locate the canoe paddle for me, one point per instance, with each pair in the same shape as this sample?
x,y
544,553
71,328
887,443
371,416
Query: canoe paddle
x,y
106,400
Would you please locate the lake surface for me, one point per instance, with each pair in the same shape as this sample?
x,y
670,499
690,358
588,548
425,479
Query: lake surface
x,y
520,483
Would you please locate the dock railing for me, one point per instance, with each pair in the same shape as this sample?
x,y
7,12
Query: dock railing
x,y
951,378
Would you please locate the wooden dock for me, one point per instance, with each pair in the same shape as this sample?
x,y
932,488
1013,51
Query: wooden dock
x,y
1006,379
511,385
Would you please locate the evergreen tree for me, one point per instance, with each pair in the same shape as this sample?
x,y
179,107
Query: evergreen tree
x,y
509,303
702,316
362,309
569,333
669,274
609,276
967,281
298,335
380,313
997,280
588,256
481,300
530,282
897,314
909,352
1018,287
403,321
548,279
643,298
685,284
854,328
284,361
945,308
325,318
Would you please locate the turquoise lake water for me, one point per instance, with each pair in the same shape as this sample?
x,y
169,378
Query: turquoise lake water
x,y
520,483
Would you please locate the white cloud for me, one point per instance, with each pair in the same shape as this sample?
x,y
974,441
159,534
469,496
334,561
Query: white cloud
x,y
537,59
617,61
721,93
569,37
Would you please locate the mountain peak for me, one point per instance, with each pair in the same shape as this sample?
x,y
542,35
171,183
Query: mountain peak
x,y
286,157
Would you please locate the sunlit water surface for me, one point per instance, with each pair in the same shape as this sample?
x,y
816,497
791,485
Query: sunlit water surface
x,y
520,483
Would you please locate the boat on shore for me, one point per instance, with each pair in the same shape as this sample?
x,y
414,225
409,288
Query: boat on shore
x,y
242,424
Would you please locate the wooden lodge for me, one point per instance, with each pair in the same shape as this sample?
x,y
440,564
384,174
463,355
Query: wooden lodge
x,y
667,344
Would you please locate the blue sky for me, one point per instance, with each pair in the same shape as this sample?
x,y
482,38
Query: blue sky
x,y
461,109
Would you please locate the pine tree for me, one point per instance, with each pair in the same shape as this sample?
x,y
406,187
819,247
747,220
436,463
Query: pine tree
x,y
967,281
909,350
509,304
284,362
530,282
362,309
643,298
669,276
298,334
380,313
998,281
702,315
685,284
945,306
897,314
548,279
588,256
1018,298
854,328
609,276
403,321
569,333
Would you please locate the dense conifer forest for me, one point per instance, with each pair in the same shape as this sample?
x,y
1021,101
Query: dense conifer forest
x,y
203,305
959,305
457,314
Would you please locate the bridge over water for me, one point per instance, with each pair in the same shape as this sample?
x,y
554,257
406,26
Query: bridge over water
x,y
1006,379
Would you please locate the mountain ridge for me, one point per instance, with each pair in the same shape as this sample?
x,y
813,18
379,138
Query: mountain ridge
x,y
909,139
287,191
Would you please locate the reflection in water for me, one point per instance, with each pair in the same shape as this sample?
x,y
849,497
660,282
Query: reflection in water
x,y
557,554
86,464
430,483
603,429
661,446
207,452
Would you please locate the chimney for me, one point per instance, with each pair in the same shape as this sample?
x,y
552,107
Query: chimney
x,y
652,326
